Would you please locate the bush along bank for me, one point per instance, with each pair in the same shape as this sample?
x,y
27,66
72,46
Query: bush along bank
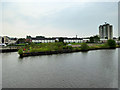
x,y
59,47
46,49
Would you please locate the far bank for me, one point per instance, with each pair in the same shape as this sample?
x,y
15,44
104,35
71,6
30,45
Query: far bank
x,y
60,47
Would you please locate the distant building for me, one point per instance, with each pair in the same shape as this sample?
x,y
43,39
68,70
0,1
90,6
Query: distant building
x,y
42,39
86,40
103,40
0,40
39,39
7,40
106,31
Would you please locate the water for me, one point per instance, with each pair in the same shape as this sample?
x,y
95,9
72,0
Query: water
x,y
94,69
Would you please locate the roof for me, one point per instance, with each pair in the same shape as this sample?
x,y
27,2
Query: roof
x,y
55,38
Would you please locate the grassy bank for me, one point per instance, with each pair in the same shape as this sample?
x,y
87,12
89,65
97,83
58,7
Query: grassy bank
x,y
59,47
44,47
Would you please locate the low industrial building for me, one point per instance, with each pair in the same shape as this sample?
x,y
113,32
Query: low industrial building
x,y
42,39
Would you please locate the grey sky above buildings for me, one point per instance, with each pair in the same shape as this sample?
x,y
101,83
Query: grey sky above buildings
x,y
57,18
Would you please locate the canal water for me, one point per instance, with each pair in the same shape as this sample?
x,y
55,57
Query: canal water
x,y
93,69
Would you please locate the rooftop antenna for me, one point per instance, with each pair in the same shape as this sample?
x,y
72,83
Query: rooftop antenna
x,y
76,36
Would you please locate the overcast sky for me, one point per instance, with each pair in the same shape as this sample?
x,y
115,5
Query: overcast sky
x,y
57,18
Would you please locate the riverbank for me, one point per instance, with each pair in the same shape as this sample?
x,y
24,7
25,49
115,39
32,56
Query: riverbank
x,y
61,52
8,49
60,47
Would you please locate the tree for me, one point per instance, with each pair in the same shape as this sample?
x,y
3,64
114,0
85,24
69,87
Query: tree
x,y
20,51
119,38
111,43
91,39
95,39
84,47
61,39
21,40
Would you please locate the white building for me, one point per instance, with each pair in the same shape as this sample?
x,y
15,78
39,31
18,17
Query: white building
x,y
6,40
103,40
0,40
106,31
34,40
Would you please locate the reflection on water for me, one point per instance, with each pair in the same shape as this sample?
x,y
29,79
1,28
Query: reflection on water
x,y
93,69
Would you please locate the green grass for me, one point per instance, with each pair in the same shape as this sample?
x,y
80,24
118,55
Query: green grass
x,y
58,46
22,44
42,47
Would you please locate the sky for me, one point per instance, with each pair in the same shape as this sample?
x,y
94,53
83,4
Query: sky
x,y
52,18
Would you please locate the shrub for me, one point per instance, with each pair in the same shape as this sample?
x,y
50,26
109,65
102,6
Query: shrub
x,y
30,48
111,43
59,44
117,45
65,47
84,46
20,51
69,47
32,44
76,48
26,51
104,46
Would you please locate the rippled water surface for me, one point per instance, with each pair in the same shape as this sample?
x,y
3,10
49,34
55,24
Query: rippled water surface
x,y
94,69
